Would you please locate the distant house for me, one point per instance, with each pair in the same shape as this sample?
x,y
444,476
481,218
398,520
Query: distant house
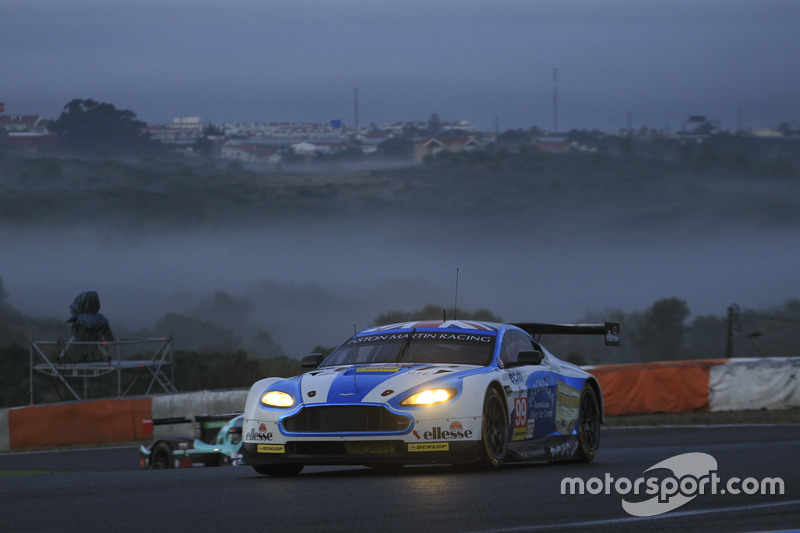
x,y
24,123
27,132
30,140
250,153
308,148
182,130
433,146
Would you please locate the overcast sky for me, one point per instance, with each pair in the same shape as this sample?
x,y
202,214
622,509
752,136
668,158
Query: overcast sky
x,y
653,62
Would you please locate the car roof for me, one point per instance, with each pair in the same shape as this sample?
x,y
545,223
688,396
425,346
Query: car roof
x,y
458,325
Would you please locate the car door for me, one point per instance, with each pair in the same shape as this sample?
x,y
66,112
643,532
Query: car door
x,y
532,402
535,403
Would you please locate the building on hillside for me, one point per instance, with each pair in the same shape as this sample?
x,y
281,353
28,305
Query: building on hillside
x,y
181,131
30,140
24,123
256,154
27,132
284,131
433,146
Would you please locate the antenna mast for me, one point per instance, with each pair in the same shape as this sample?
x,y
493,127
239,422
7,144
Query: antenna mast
x,y
455,305
355,105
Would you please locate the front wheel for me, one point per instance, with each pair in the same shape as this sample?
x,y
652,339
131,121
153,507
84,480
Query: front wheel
x,y
588,425
494,430
290,470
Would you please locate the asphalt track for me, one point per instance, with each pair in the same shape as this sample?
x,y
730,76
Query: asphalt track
x,y
103,490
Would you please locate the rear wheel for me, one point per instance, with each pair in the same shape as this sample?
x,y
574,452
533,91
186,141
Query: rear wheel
x,y
494,431
588,425
278,470
161,457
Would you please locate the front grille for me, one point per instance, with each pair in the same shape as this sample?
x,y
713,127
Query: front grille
x,y
346,419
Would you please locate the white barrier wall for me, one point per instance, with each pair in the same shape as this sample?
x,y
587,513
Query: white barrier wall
x,y
764,383
194,404
5,442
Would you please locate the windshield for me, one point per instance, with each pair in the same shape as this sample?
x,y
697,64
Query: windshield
x,y
416,347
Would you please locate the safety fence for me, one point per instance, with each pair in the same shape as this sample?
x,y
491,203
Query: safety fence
x,y
666,387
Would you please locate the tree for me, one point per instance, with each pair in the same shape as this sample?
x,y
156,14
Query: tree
x,y
396,148
100,128
435,312
434,125
661,335
513,139
3,292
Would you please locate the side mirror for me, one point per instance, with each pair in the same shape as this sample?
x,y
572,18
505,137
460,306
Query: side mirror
x,y
530,357
312,360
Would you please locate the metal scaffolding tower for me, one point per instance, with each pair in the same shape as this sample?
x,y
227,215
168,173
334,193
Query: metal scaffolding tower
x,y
74,359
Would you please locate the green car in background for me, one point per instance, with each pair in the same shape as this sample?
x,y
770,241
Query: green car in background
x,y
219,445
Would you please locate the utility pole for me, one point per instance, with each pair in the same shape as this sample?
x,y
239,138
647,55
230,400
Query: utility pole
x,y
555,100
732,312
355,89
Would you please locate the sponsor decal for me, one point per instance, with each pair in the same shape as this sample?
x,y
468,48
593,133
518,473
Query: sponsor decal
x,y
378,369
563,450
439,336
271,448
261,435
568,401
515,376
542,402
612,334
520,419
454,433
531,426
428,446
541,397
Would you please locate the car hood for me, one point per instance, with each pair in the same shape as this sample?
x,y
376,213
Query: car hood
x,y
377,383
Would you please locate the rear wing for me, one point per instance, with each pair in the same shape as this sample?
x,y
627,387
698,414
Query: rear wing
x,y
610,330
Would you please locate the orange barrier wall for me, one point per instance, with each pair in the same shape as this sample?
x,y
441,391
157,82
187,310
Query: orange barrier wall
x,y
78,423
665,387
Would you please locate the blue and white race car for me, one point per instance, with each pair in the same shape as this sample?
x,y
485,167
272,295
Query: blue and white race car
x,y
429,392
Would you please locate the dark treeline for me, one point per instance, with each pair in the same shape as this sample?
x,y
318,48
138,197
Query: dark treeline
x,y
662,332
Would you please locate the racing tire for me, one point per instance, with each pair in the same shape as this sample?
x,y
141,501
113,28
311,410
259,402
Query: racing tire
x,y
161,457
588,425
494,431
278,470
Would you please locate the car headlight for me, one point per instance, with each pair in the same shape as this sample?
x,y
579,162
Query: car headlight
x,y
276,398
429,397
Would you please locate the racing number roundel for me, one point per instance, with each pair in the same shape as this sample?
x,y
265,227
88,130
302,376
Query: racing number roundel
x,y
520,412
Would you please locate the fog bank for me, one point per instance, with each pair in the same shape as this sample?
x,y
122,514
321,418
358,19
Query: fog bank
x,y
309,285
